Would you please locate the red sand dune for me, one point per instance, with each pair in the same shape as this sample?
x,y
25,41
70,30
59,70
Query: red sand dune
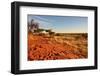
x,y
42,48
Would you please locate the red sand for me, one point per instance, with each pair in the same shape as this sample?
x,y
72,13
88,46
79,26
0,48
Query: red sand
x,y
42,48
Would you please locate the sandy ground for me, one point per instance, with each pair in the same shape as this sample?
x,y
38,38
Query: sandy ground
x,y
52,48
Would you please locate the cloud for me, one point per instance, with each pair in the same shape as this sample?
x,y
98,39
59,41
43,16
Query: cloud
x,y
43,19
43,22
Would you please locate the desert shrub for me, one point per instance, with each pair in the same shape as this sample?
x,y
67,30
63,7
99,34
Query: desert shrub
x,y
52,33
38,30
84,35
57,34
77,37
48,30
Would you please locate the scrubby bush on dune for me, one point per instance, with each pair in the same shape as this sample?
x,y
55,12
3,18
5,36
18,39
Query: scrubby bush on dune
x,y
38,30
52,33
49,30
85,36
57,34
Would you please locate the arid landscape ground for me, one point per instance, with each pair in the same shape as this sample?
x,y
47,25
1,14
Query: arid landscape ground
x,y
64,46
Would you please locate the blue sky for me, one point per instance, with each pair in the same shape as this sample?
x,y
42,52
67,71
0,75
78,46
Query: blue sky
x,y
61,24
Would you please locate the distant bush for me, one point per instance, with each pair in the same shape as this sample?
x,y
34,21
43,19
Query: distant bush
x,y
52,33
49,30
38,30
57,34
84,35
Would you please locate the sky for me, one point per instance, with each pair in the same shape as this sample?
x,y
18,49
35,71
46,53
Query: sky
x,y
61,24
